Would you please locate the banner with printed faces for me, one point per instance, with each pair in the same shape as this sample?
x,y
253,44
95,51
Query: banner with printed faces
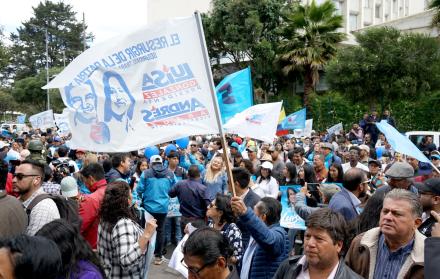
x,y
141,89
62,122
42,120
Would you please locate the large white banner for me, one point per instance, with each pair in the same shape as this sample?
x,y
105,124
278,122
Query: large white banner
x,y
42,120
258,122
62,121
145,88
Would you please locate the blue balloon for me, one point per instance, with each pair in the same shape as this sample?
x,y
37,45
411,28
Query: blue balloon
x,y
183,142
150,151
379,151
169,148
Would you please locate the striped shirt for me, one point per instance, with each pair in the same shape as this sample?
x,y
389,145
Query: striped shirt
x,y
388,264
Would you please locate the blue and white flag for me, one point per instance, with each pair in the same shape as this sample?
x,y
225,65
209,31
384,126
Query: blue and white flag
x,y
42,120
289,218
140,89
258,122
400,143
335,129
21,119
296,120
234,93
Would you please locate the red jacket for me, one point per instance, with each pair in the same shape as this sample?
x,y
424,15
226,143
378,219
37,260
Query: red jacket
x,y
89,210
9,188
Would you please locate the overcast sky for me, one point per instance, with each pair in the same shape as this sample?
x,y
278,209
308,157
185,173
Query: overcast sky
x,y
105,18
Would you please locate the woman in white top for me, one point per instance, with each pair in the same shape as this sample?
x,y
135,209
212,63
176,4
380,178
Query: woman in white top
x,y
267,185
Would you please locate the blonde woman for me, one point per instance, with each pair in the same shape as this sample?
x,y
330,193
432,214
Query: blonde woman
x,y
214,178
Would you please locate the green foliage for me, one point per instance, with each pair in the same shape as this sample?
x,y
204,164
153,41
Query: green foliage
x,y
5,57
65,38
310,34
386,66
7,102
245,30
32,99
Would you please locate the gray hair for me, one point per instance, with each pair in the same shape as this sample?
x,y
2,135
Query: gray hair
x,y
410,197
328,190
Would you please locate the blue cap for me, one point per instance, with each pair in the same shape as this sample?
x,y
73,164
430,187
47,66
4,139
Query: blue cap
x,y
235,145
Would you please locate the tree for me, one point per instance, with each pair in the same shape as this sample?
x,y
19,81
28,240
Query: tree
x,y
435,4
32,99
5,57
244,31
309,41
386,66
65,37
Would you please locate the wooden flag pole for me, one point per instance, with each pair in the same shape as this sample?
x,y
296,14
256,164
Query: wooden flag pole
x,y
215,102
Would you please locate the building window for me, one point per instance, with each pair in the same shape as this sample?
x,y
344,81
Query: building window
x,y
353,22
377,11
368,3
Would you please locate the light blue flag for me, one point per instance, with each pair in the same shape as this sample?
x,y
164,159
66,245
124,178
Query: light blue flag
x,y
296,120
400,143
21,119
234,94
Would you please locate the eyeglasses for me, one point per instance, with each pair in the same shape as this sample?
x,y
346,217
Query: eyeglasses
x,y
195,271
20,176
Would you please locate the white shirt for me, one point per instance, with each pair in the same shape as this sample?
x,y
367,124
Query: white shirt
x,y
304,274
347,166
267,188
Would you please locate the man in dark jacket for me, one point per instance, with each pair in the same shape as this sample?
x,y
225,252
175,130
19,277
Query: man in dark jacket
x,y
432,250
121,168
346,202
429,193
250,198
269,244
323,243
192,197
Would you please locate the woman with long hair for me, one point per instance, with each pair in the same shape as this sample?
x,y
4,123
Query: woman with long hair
x,y
307,176
289,174
223,220
122,243
214,178
78,259
141,165
335,173
266,184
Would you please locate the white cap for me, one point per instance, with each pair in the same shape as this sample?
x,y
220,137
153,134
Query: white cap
x,y
156,159
267,165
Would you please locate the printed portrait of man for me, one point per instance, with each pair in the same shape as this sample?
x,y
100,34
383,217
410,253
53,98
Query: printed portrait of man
x,y
119,103
84,103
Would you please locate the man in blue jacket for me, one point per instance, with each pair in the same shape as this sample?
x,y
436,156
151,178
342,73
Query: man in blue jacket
x,y
269,244
346,202
153,188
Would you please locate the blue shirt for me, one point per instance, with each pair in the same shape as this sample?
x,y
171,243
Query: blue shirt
x,y
388,264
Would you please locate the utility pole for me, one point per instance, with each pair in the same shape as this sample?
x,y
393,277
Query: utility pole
x,y
47,68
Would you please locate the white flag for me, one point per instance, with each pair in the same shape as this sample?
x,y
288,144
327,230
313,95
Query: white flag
x,y
258,122
336,129
141,89
42,120
62,121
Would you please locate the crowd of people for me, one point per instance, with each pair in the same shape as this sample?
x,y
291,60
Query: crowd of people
x,y
68,213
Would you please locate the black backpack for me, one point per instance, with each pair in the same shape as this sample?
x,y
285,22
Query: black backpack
x,y
67,208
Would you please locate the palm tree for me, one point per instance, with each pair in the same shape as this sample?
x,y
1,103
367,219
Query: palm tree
x,y
435,4
310,34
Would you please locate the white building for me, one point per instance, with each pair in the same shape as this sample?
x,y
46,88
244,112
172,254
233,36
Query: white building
x,y
359,14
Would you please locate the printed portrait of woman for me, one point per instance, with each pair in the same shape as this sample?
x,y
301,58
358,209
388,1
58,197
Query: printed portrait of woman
x,y
119,103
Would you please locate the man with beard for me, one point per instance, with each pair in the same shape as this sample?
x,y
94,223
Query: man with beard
x,y
429,194
346,202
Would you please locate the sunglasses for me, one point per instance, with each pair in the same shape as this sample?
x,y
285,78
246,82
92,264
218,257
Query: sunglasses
x,y
193,145
20,176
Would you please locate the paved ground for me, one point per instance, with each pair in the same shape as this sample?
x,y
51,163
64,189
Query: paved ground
x,y
163,271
